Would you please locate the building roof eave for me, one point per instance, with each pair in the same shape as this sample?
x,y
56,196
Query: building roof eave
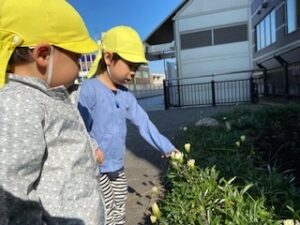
x,y
164,33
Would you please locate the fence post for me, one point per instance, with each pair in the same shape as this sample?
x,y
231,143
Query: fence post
x,y
166,94
178,93
213,94
253,91
287,83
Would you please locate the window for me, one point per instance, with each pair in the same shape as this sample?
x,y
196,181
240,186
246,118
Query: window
x,y
291,8
273,27
266,31
258,36
231,34
222,35
262,35
196,39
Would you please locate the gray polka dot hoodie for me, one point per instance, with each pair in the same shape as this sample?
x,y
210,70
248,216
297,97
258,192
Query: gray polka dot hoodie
x,y
47,167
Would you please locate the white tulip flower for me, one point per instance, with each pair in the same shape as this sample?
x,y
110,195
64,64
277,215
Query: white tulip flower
x,y
155,190
191,163
288,222
177,156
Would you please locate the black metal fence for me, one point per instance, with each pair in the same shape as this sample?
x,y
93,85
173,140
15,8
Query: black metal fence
x,y
146,90
217,89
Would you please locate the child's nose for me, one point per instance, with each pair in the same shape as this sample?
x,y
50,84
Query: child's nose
x,y
131,75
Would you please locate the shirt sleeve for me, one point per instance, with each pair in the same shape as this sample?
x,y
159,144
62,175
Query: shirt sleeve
x,y
86,102
22,154
147,129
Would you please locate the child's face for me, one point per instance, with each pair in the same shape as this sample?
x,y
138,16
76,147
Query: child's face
x,y
121,71
65,67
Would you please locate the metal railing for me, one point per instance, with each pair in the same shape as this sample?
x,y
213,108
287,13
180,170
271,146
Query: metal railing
x,y
216,89
146,90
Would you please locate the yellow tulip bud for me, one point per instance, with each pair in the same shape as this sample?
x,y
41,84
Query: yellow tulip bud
x,y
153,219
228,126
155,210
238,144
187,147
243,138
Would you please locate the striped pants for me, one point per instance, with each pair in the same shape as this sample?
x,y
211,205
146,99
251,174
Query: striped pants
x,y
115,195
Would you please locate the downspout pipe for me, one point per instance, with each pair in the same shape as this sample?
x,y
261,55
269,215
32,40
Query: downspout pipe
x,y
284,64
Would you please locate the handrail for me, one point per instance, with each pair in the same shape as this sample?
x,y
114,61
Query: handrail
x,y
216,74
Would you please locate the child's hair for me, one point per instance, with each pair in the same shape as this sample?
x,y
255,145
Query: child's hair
x,y
115,58
20,55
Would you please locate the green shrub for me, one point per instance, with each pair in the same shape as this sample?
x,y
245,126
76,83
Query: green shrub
x,y
262,193
198,196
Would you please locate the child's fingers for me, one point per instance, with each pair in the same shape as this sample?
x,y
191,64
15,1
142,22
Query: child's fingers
x,y
168,155
99,156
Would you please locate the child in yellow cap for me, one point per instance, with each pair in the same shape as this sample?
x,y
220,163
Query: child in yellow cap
x,y
105,104
48,171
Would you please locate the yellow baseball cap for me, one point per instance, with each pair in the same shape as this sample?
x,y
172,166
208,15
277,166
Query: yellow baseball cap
x,y
29,22
124,41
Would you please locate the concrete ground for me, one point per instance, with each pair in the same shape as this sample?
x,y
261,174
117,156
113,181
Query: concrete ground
x,y
144,164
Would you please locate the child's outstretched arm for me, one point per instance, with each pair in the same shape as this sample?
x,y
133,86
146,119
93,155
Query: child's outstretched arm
x,y
138,116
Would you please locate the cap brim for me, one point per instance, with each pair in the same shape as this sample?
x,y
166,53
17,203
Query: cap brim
x,y
133,58
82,47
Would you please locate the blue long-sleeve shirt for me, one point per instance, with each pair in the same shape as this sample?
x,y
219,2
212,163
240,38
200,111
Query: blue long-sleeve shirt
x,y
105,112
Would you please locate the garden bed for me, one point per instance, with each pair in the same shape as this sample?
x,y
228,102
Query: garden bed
x,y
246,172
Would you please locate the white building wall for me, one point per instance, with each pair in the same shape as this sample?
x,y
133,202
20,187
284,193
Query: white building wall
x,y
209,6
216,59
213,19
200,15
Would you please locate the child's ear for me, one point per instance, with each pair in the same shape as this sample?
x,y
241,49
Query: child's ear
x,y
108,58
41,54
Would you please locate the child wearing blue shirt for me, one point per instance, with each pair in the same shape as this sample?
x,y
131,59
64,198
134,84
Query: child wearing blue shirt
x,y
105,104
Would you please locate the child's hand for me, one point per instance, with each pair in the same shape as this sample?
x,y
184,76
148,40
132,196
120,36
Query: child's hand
x,y
168,155
99,156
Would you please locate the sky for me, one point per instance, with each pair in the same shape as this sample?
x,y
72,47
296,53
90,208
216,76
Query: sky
x,y
142,15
